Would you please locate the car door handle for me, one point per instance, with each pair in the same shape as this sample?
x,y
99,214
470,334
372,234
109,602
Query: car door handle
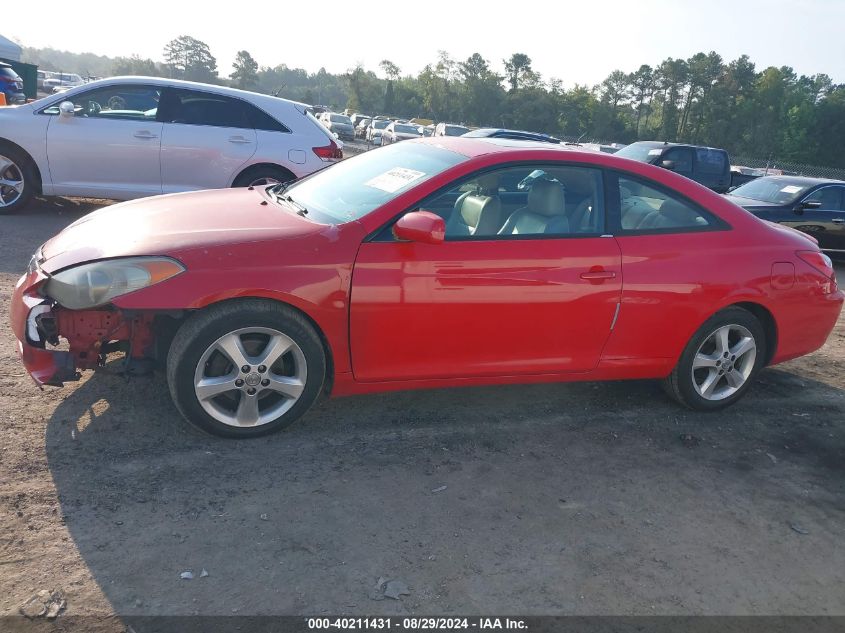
x,y
598,274
239,140
838,221
144,134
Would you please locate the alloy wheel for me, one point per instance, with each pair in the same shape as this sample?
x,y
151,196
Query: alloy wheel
x,y
250,376
264,181
724,362
11,182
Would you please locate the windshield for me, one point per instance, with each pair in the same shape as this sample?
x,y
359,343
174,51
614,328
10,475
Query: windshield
x,y
8,72
455,130
774,190
353,188
380,125
406,129
643,152
339,118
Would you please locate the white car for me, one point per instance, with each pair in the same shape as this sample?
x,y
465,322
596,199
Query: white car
x,y
396,132
59,82
130,137
375,131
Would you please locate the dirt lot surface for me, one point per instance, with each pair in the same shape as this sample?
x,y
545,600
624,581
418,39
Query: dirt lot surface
x,y
553,499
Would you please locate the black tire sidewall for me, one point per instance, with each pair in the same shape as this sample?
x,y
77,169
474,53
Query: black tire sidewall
x,y
730,316
185,354
245,179
29,179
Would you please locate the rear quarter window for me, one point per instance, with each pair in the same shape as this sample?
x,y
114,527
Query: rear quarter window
x,y
263,121
710,161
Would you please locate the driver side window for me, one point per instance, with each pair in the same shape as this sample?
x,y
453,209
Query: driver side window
x,y
120,101
523,201
830,198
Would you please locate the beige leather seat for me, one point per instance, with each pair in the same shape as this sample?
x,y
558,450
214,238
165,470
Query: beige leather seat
x,y
545,212
477,212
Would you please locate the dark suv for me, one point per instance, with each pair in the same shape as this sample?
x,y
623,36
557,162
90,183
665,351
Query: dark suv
x,y
706,165
11,85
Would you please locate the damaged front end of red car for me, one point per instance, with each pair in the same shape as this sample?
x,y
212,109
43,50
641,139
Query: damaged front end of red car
x,y
55,342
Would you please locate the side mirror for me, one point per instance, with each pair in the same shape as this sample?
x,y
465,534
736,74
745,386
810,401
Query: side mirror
x,y
66,108
807,204
420,226
668,164
730,189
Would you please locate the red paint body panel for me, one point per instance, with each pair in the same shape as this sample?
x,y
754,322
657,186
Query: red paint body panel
x,y
481,308
411,315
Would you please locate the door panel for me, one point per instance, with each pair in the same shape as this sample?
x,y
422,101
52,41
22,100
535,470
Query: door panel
x,y
481,308
203,157
103,157
827,223
206,141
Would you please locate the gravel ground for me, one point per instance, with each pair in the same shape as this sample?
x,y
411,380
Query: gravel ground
x,y
551,499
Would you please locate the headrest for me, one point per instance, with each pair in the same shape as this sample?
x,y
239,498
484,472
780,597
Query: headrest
x,y
474,206
546,198
488,184
674,210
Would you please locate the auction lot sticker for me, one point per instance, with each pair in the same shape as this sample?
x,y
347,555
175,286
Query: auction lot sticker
x,y
393,180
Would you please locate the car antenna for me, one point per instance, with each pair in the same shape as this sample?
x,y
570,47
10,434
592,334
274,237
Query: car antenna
x,y
279,90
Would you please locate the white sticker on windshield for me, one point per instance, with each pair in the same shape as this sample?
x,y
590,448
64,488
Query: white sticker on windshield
x,y
791,189
655,152
393,180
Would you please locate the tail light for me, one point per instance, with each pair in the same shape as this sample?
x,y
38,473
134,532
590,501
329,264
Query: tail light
x,y
329,152
823,264
819,261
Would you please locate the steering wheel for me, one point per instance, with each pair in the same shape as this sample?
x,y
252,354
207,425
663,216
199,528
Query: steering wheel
x,y
94,107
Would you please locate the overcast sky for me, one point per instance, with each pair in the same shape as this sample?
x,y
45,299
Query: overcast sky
x,y
579,41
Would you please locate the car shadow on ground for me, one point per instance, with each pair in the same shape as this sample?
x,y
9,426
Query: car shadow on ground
x,y
546,499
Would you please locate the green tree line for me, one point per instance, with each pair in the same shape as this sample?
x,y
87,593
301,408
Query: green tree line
x,y
769,112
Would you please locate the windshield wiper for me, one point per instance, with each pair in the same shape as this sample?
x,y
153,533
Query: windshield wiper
x,y
299,208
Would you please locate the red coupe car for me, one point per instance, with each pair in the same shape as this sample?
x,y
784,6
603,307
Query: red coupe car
x,y
430,263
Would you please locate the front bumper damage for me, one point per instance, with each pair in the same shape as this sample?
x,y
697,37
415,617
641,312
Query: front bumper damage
x,y
39,323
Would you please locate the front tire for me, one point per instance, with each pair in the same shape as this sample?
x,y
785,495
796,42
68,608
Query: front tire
x,y
17,180
719,362
245,368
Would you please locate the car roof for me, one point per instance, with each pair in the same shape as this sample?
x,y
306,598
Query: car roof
x,y
807,180
671,144
482,131
189,85
477,146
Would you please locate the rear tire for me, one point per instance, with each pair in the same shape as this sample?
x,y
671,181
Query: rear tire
x,y
263,176
19,176
245,368
719,362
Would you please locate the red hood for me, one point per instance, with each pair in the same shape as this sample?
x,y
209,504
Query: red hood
x,y
163,225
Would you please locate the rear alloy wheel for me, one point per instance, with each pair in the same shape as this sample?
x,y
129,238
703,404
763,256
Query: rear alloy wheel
x,y
262,177
16,181
719,361
245,368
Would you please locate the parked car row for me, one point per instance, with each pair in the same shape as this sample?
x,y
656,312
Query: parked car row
x,y
338,124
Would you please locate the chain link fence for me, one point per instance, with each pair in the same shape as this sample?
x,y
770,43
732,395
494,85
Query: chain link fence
x,y
772,167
